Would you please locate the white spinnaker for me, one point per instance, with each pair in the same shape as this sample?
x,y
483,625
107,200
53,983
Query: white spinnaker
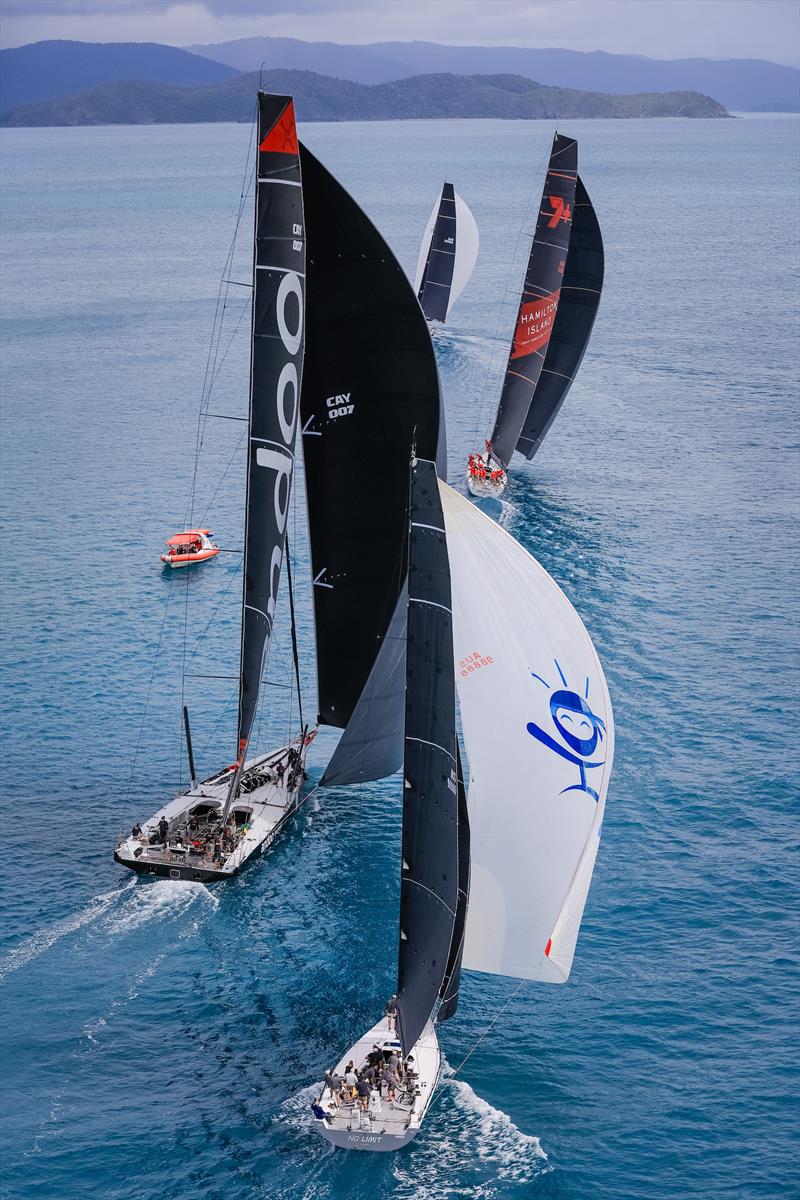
x,y
467,243
529,680
424,249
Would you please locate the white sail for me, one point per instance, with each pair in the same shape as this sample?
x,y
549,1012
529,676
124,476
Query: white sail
x,y
424,249
539,736
467,244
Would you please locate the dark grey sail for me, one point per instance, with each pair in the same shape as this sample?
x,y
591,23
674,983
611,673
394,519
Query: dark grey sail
x,y
429,876
452,980
437,276
577,309
540,298
275,379
370,392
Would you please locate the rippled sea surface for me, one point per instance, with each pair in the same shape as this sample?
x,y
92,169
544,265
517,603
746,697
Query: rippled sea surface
x,y
162,1039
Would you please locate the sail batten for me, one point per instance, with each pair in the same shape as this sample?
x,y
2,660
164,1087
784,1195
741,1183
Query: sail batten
x,y
429,888
539,735
276,363
540,298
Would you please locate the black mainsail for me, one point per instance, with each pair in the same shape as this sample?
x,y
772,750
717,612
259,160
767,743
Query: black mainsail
x,y
370,392
430,844
577,309
540,298
275,379
437,275
452,979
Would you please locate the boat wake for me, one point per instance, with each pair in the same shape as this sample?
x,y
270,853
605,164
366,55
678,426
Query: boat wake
x,y
157,901
119,911
43,939
466,1138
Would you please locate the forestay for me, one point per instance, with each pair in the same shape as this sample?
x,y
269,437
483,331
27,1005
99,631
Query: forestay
x,y
370,392
577,309
430,844
539,737
447,255
540,297
275,380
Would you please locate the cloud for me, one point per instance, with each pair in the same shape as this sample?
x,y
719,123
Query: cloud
x,y
659,28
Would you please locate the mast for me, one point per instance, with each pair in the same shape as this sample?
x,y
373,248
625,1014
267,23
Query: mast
x,y
539,300
577,309
429,874
276,363
369,381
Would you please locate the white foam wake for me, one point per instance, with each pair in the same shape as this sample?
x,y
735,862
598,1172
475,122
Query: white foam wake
x,y
158,901
464,1137
43,939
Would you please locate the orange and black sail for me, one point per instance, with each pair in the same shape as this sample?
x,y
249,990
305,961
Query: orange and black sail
x,y
540,298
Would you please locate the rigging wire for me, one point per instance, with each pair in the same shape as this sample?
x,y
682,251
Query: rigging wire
x,y
147,697
443,1084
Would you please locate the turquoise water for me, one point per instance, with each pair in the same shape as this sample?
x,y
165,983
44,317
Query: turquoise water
x,y
162,1040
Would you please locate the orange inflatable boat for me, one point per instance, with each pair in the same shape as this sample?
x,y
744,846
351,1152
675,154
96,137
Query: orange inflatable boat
x,y
191,546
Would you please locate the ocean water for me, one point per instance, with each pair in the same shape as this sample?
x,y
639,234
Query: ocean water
x,y
163,1039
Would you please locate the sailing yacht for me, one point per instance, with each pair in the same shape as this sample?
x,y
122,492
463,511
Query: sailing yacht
x,y
210,831
340,347
558,305
539,737
434,868
447,255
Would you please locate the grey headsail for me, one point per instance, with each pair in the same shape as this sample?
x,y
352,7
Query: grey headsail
x,y
429,876
452,980
275,378
370,392
433,291
577,309
540,298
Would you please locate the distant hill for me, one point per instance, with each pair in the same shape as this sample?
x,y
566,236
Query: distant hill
x,y
741,84
47,70
320,98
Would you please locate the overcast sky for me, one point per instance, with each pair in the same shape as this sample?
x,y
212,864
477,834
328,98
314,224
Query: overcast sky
x,y
659,28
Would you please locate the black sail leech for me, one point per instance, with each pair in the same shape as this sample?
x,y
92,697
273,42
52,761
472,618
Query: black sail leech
x,y
437,278
429,876
276,371
540,297
452,980
577,309
370,392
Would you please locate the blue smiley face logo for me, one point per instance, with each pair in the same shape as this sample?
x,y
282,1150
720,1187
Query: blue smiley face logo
x,y
580,731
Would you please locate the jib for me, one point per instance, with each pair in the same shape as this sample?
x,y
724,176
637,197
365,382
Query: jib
x,y
339,406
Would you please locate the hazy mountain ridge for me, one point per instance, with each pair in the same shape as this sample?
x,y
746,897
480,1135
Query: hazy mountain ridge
x,y
48,70
746,84
321,98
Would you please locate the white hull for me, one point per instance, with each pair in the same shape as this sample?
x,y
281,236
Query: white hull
x,y
385,1125
486,488
264,805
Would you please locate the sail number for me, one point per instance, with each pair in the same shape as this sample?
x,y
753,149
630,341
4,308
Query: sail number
x,y
339,406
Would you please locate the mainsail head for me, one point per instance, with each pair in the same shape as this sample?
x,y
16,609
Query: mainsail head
x,y
275,378
539,736
577,309
447,255
430,874
540,297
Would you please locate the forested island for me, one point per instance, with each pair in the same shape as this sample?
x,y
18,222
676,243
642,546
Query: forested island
x,y
322,98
